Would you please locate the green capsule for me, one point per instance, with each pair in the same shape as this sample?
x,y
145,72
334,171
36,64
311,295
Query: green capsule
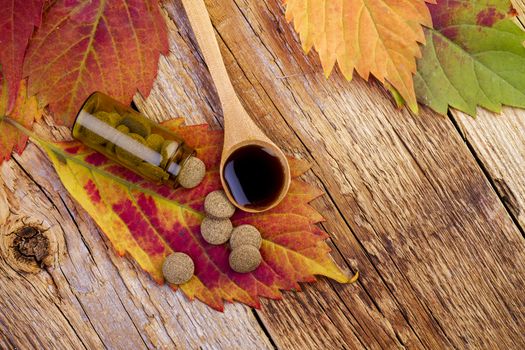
x,y
110,147
123,129
155,142
153,172
110,118
136,125
92,137
115,118
127,157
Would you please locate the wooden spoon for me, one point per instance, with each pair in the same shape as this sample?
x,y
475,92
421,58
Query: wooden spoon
x,y
239,129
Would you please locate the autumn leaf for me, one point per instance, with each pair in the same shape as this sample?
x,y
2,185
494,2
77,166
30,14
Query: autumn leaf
x,y
474,56
150,221
373,37
111,46
17,21
25,111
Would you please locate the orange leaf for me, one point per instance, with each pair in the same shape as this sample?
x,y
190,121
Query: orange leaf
x,y
100,45
25,111
17,21
371,36
150,221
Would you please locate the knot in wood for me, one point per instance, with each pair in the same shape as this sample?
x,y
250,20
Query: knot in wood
x,y
27,247
30,245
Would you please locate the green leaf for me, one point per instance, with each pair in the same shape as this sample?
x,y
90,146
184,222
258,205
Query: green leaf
x,y
473,56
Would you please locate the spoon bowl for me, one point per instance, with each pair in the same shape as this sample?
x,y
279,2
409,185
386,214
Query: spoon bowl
x,y
284,178
239,129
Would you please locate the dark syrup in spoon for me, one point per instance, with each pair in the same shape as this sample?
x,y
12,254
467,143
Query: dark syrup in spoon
x,y
254,175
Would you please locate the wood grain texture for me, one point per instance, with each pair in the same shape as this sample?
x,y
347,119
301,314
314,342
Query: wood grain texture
x,y
499,144
414,202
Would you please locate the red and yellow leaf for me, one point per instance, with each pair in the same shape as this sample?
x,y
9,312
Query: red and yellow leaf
x,y
101,45
378,37
25,111
150,221
18,18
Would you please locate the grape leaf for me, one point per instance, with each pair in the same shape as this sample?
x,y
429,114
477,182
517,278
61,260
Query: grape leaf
x,y
101,45
150,221
379,37
474,56
25,111
18,18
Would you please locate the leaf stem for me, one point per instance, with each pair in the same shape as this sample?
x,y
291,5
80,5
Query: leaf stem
x,y
34,137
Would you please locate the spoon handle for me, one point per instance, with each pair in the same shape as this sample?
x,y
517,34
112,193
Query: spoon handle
x,y
202,28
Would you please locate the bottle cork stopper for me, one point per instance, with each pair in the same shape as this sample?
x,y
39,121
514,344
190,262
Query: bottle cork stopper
x,y
216,231
245,258
216,204
245,235
192,173
178,268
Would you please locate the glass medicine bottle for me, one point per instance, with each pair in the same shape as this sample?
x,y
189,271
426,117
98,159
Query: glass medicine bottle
x,y
132,140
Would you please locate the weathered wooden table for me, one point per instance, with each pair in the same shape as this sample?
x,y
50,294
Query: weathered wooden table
x,y
430,209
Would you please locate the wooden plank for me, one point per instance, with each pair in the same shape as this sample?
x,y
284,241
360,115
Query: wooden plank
x,y
499,144
441,259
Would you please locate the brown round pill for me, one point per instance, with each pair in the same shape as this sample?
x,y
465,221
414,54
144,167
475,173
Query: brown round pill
x,y
245,235
178,268
216,204
192,173
245,258
216,231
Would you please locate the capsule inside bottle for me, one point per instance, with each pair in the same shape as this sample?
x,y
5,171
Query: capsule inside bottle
x,y
130,139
